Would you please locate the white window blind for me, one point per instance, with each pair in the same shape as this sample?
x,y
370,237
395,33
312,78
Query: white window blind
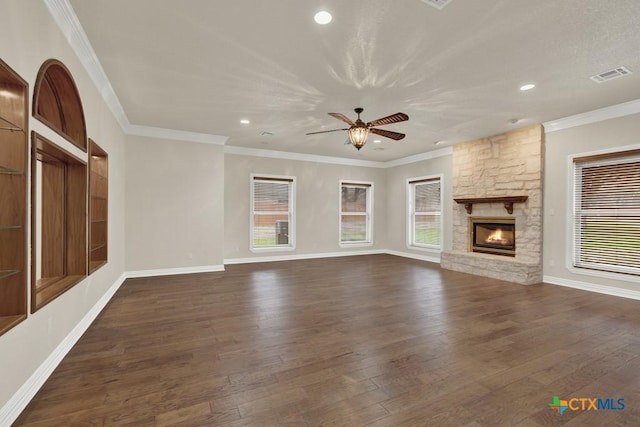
x,y
425,213
607,213
272,212
355,213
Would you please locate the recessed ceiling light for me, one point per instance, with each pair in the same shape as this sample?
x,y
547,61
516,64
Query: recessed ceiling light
x,y
377,141
514,121
528,86
323,17
245,121
441,142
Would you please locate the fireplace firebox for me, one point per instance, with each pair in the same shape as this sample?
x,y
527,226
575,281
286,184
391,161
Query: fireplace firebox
x,y
492,235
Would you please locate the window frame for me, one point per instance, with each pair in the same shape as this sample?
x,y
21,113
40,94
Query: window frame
x,y
603,157
291,180
368,214
410,213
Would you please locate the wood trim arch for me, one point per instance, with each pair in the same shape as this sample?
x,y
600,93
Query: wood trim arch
x,y
57,103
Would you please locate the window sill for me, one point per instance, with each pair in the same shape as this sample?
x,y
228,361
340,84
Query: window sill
x,y
355,244
434,250
273,249
604,274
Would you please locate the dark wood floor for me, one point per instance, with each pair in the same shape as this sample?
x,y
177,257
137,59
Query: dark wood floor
x,y
368,340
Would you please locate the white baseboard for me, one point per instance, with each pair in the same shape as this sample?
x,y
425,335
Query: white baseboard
x,y
429,258
174,271
12,409
601,289
295,257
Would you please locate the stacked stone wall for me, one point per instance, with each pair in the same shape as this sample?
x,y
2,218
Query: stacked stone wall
x,y
509,164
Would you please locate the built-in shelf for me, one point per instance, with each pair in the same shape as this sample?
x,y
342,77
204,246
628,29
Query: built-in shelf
x,y
100,246
98,206
8,273
508,202
8,125
10,171
8,322
94,265
13,203
10,227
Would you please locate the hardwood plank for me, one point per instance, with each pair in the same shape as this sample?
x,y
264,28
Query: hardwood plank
x,y
376,340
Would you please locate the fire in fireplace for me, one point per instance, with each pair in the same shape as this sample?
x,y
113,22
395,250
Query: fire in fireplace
x,y
493,235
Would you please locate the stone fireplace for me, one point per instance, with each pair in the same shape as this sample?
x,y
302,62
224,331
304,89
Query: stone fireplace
x,y
497,183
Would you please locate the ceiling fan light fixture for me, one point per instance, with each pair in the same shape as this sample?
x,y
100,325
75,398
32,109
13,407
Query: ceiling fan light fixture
x,y
358,136
359,131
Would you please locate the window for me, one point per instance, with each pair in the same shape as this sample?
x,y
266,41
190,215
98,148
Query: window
x,y
606,213
425,211
355,213
272,222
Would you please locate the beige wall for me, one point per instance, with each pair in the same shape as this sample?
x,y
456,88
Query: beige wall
x,y
28,37
560,145
317,204
397,202
175,206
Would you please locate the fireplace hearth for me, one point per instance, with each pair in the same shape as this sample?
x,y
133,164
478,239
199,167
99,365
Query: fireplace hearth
x,y
492,235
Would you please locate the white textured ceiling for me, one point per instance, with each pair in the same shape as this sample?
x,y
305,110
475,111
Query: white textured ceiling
x,y
202,65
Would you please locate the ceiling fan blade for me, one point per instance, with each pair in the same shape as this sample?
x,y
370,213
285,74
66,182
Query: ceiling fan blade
x,y
394,118
388,134
342,117
325,131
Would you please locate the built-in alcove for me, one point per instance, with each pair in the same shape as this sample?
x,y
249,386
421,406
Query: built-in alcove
x,y
59,221
13,197
56,103
98,206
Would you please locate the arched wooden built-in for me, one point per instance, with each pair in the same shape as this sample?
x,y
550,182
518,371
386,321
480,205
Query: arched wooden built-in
x,y
56,103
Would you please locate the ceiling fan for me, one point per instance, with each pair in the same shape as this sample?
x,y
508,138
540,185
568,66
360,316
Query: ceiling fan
x,y
359,130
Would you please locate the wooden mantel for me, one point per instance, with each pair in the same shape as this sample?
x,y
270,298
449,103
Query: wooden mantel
x,y
507,200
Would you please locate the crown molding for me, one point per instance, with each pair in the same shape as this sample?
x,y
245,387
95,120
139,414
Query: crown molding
x,y
447,151
606,113
273,154
178,135
68,22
